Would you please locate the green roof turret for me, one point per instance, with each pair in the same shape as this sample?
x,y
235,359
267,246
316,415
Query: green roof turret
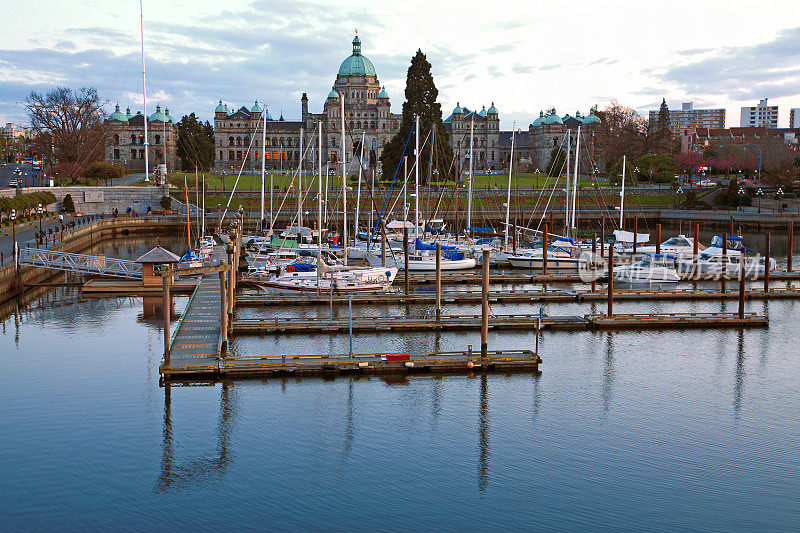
x,y
492,110
333,94
482,111
255,109
128,113
383,95
169,117
116,115
458,110
356,64
221,108
158,116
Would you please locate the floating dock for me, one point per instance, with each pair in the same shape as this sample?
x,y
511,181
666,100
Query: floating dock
x,y
307,326
354,365
514,296
198,336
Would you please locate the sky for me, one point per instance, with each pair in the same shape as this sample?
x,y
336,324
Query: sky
x,y
525,56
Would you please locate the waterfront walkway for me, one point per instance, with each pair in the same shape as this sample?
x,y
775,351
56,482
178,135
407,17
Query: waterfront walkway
x,y
198,338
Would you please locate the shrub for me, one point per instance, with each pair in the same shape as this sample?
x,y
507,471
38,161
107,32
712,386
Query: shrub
x,y
69,205
101,170
166,203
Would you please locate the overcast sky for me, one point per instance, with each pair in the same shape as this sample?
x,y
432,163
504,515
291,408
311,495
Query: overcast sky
x,y
524,56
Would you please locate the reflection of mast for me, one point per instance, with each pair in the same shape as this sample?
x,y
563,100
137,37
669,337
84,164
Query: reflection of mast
x,y
349,429
205,469
483,442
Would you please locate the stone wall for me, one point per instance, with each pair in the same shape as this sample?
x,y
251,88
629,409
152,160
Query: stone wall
x,y
97,200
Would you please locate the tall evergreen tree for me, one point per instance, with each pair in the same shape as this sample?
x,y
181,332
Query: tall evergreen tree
x,y
421,94
663,119
195,143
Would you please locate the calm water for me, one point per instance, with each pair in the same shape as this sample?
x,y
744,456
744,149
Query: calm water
x,y
640,430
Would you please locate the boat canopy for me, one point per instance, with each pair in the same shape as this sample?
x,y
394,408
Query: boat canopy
x,y
190,256
419,245
627,236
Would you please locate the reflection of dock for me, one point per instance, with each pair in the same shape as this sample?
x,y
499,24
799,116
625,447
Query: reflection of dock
x,y
355,365
117,286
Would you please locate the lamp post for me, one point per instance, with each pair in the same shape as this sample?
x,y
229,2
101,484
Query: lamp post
x,y
759,194
759,158
741,197
779,196
677,194
14,235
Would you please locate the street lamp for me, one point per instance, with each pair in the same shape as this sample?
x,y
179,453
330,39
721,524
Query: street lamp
x,y
677,193
779,194
741,196
759,158
759,194
14,234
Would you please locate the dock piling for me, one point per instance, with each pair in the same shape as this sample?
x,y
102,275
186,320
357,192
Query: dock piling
x,y
635,233
790,247
223,293
438,281
485,306
166,311
383,244
610,311
594,265
544,249
696,240
602,236
741,285
405,259
731,229
724,272
766,263
658,238
514,237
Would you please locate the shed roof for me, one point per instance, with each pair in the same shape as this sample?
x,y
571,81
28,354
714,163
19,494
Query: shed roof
x,y
158,255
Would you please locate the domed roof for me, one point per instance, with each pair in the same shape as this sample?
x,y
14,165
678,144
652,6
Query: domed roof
x,y
266,112
492,110
383,94
333,93
591,119
116,115
128,113
458,110
538,121
169,117
482,111
552,119
158,116
255,108
221,108
356,64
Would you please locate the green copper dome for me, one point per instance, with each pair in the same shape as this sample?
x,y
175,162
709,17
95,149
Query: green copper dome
x,y
221,108
128,113
333,93
492,110
591,119
383,94
458,110
356,64
256,108
116,115
482,111
538,121
552,119
169,117
266,112
158,116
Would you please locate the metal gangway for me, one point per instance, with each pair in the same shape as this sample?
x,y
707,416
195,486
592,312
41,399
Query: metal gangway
x,y
84,264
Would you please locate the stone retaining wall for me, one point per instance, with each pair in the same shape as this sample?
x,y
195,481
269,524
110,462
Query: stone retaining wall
x,y
97,200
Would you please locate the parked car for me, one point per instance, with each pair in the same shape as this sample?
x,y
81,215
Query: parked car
x,y
13,183
706,183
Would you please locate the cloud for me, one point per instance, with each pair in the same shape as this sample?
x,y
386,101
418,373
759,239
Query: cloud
x,y
741,72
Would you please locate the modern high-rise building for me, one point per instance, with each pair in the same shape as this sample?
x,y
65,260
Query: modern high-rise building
x,y
688,117
794,117
761,116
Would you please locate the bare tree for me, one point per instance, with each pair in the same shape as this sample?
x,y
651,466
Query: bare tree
x,y
622,131
68,125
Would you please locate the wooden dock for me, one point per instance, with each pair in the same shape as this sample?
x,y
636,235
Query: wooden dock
x,y
125,286
355,365
198,336
305,326
515,296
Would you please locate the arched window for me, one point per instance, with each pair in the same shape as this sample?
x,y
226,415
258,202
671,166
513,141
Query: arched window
x,y
352,125
246,140
116,139
133,139
230,140
158,139
372,125
274,141
238,141
358,125
281,142
141,139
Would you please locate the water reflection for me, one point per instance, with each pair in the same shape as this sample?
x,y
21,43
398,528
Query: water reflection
x,y
483,440
739,375
175,477
608,372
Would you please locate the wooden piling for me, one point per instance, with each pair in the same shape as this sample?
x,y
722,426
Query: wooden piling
x,y
635,233
223,293
610,311
766,263
731,229
658,238
438,282
602,236
741,285
167,311
724,262
405,259
456,228
514,237
790,247
544,249
696,240
485,306
594,262
231,274
383,244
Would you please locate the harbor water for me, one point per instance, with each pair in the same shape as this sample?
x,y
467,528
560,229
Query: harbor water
x,y
654,430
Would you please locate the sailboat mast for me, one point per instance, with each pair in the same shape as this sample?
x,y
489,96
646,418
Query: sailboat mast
x,y
197,198
566,197
344,189
358,192
575,178
319,211
300,183
508,195
622,193
144,97
203,231
471,158
264,165
188,227
416,181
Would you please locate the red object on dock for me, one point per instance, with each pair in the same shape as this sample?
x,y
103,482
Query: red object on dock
x,y
397,357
